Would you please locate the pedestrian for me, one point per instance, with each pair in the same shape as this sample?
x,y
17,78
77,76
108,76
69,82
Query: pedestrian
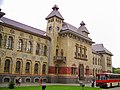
x,y
40,81
43,84
19,81
92,82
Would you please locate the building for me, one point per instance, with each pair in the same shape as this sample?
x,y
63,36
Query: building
x,y
62,54
24,52
102,60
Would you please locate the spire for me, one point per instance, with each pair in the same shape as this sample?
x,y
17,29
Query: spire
x,y
83,29
82,23
55,7
55,12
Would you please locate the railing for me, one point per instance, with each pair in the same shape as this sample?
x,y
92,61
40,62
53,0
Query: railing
x,y
60,59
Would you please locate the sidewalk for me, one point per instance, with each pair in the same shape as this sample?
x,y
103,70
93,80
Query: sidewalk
x,y
37,84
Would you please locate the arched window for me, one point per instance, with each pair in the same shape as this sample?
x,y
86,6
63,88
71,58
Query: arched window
x,y
44,69
27,69
10,42
36,68
56,52
5,41
96,71
38,49
18,65
50,28
29,46
45,50
58,28
93,60
6,80
28,80
20,44
7,66
0,40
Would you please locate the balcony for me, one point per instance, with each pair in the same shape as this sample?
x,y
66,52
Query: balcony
x,y
60,59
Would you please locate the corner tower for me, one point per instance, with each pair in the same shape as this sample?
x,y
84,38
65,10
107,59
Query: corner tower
x,y
54,22
54,26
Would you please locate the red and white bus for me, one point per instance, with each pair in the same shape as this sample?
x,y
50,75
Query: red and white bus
x,y
107,79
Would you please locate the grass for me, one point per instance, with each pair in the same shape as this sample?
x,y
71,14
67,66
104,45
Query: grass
x,y
51,87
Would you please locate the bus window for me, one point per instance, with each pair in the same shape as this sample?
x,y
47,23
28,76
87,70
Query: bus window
x,y
97,77
103,77
106,77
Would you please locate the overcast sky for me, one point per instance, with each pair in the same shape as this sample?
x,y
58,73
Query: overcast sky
x,y
102,18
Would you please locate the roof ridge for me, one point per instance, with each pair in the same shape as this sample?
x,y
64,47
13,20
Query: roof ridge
x,y
22,24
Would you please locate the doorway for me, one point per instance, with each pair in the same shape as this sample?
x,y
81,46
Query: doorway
x,y
81,72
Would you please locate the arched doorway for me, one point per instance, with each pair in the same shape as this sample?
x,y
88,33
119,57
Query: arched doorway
x,y
81,72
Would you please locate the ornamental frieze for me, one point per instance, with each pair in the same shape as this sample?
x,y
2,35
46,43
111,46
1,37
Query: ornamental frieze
x,y
12,31
1,28
24,56
33,58
14,54
21,34
2,53
39,39
41,58
31,37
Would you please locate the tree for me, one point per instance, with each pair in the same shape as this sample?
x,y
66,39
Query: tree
x,y
116,70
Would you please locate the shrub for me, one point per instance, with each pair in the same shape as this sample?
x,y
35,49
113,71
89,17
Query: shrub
x,y
11,85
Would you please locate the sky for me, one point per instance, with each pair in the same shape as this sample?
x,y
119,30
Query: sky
x,y
102,18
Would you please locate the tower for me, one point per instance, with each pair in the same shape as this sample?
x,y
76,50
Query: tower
x,y
54,26
54,22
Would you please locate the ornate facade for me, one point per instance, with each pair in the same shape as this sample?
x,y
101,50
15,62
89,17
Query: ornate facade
x,y
62,54
23,52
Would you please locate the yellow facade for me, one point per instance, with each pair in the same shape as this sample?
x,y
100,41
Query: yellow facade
x,y
16,53
64,54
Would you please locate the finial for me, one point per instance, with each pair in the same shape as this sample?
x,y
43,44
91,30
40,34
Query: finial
x,y
55,7
82,23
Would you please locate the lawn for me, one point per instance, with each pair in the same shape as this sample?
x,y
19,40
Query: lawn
x,y
51,87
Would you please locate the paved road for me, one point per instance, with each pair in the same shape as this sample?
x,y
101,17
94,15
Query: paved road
x,y
37,84
114,88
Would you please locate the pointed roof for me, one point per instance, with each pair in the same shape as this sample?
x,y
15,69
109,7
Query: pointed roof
x,y
55,12
82,28
72,29
101,49
66,26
